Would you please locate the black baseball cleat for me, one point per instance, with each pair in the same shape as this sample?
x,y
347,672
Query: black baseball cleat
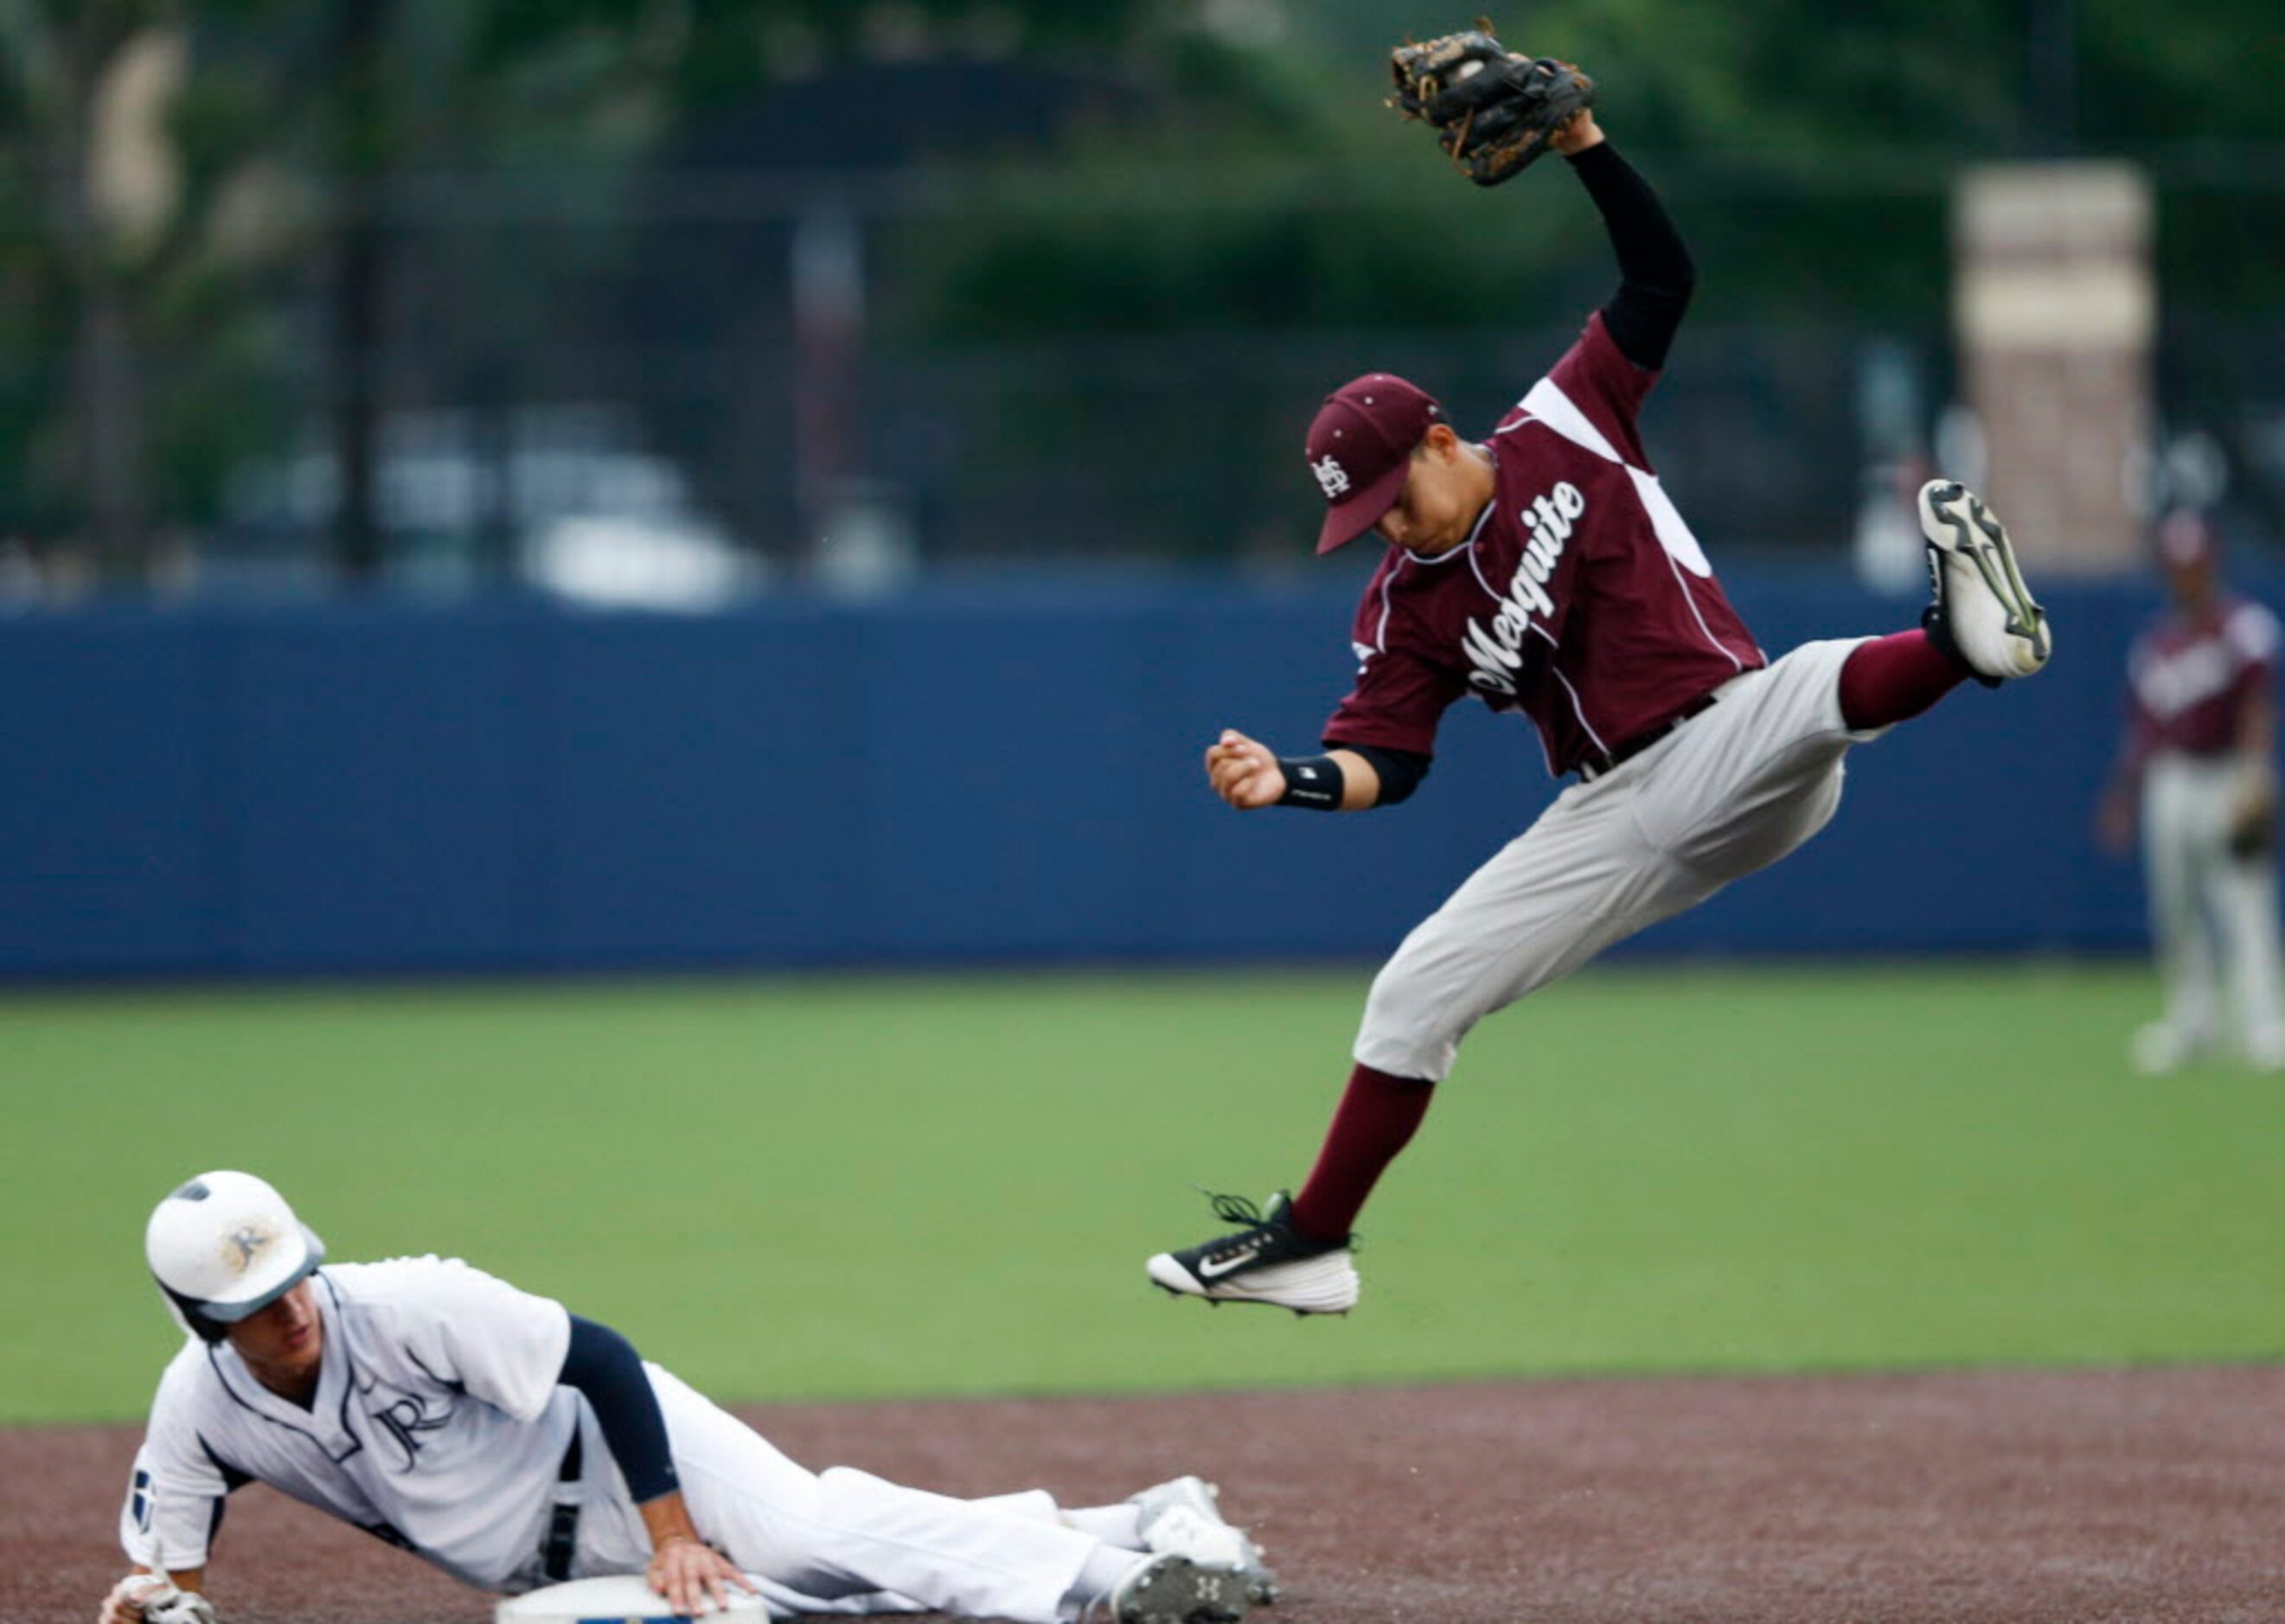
x,y
1982,615
1267,1261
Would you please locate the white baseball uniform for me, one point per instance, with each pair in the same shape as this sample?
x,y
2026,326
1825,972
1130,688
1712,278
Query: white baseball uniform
x,y
438,1426
2213,915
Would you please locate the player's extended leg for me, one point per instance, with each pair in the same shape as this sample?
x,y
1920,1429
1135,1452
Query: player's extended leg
x,y
2172,857
2243,894
1181,1516
1579,879
845,1541
1983,622
1983,614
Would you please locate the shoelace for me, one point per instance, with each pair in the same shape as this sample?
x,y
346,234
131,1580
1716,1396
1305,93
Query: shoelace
x,y
1236,1210
1239,1209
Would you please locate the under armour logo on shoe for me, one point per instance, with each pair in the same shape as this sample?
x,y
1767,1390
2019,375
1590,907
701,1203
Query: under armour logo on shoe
x,y
1332,478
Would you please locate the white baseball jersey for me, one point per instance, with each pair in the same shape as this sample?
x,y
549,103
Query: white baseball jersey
x,y
438,1426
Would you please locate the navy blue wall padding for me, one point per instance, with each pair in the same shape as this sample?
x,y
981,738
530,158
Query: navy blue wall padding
x,y
968,774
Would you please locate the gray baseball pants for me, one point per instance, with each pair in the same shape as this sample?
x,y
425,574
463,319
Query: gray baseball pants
x,y
2204,900
1731,790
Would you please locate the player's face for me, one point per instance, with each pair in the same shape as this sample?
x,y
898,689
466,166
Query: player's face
x,y
283,1343
1445,490
2192,581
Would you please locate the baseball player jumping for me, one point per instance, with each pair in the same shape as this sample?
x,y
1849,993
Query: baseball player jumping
x,y
514,1444
1544,571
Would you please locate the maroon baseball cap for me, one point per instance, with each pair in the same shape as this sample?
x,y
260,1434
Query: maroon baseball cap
x,y
1359,449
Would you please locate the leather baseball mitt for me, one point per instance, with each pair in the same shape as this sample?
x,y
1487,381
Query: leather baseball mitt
x,y
1493,108
2252,828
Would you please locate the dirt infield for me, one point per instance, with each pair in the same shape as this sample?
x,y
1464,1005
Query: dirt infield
x,y
2143,1495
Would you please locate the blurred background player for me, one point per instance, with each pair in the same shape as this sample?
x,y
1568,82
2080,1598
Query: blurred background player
x,y
2196,771
514,1444
1546,571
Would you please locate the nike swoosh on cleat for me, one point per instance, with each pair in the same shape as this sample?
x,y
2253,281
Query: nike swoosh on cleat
x,y
1208,1270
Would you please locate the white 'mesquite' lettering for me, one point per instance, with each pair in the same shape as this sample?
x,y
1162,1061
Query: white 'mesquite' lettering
x,y
1334,478
1496,650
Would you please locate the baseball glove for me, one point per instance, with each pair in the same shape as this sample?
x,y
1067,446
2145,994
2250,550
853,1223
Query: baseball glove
x,y
2252,828
1493,109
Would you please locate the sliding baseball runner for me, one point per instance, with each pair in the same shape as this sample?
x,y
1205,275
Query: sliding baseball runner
x,y
515,1445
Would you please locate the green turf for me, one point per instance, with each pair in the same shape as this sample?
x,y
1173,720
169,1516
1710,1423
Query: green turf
x,y
804,1188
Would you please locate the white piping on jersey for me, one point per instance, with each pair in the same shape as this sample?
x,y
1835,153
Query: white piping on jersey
x,y
1380,633
1475,532
1691,599
1577,711
1549,406
1667,523
1410,557
1476,564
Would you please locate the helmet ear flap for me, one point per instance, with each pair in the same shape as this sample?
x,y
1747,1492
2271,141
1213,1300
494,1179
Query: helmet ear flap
x,y
185,1314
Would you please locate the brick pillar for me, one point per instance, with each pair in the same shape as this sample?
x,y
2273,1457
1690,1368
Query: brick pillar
x,y
2053,312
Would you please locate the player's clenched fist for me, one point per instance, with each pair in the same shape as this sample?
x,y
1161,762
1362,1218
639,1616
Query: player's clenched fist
x,y
1243,771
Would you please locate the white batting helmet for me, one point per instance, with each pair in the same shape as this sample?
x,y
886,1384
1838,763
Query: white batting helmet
x,y
224,1246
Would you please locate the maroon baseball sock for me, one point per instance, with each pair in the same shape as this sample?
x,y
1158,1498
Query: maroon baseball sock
x,y
1895,677
1375,1120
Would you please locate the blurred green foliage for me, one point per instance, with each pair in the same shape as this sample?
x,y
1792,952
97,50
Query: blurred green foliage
x,y
1237,170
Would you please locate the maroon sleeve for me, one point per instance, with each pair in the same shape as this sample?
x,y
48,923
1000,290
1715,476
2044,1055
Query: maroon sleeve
x,y
1397,703
1606,387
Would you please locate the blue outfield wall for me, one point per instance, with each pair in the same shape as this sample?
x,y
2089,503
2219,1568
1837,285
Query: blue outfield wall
x,y
964,774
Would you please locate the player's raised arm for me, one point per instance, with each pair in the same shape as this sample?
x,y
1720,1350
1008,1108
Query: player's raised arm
x,y
1655,274
1496,111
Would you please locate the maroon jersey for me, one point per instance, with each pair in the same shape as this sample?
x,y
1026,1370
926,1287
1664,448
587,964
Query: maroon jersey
x,y
1580,600
2190,680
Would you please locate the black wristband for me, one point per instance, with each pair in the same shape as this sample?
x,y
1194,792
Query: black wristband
x,y
1315,781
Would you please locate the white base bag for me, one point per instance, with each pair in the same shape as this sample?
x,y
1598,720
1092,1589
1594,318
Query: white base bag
x,y
622,1598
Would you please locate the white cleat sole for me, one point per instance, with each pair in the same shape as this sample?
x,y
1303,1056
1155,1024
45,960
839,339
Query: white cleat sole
x,y
1976,551
1323,1284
